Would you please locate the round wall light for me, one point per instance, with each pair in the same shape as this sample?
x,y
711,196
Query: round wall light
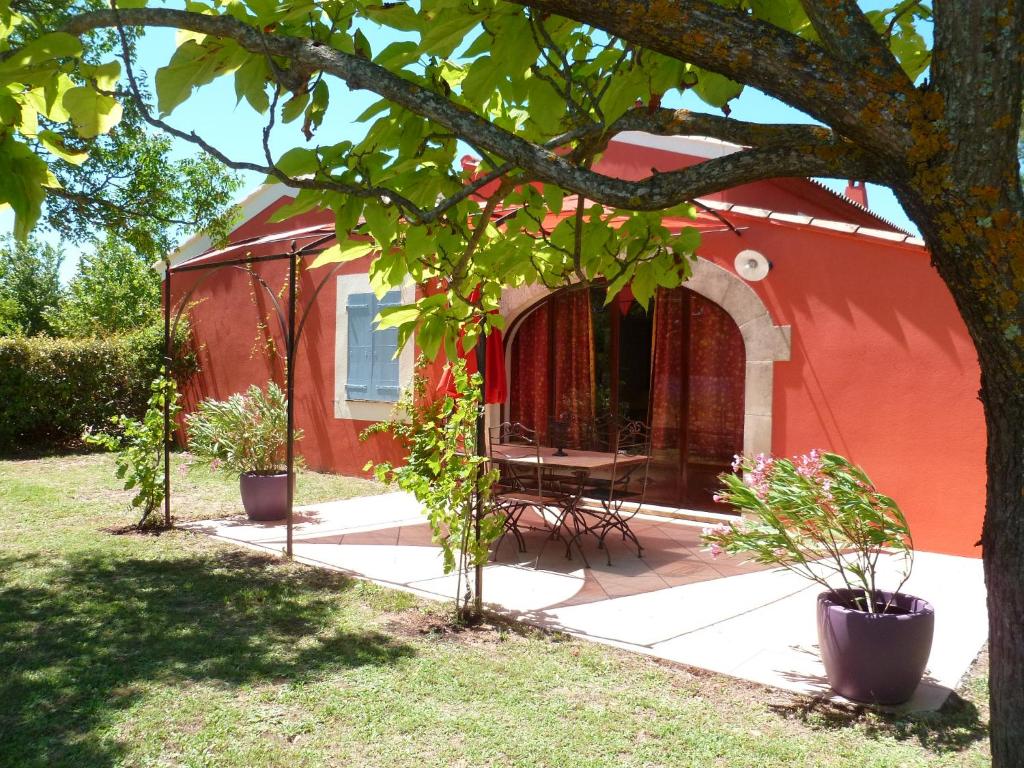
x,y
752,265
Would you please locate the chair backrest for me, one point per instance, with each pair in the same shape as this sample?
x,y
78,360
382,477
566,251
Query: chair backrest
x,y
602,431
511,433
632,461
509,441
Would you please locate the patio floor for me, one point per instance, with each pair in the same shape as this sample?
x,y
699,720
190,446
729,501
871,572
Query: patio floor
x,y
676,602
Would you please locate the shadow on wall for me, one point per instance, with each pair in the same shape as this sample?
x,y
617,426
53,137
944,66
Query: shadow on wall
x,y
82,648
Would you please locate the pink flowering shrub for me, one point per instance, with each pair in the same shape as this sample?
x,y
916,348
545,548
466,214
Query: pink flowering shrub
x,y
817,515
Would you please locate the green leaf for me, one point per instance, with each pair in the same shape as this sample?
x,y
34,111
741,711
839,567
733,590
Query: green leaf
x,y
294,106
297,161
382,222
393,317
55,144
104,75
54,45
483,78
48,99
92,113
349,250
398,54
441,36
553,196
395,15
715,89
23,177
251,83
627,86
193,65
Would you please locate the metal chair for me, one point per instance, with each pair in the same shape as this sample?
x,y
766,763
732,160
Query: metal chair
x,y
613,498
522,485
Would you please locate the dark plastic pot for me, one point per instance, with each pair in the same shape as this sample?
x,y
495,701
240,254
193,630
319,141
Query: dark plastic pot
x,y
264,497
875,658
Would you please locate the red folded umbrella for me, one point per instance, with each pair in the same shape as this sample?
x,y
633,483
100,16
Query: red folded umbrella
x,y
495,388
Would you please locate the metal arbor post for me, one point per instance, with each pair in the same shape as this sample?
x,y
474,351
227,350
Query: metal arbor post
x,y
481,450
290,393
167,400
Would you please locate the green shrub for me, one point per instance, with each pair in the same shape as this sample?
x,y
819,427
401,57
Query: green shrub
x,y
140,449
247,433
53,389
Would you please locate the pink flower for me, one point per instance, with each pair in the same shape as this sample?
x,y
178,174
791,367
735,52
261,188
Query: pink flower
x,y
215,464
716,549
719,499
779,552
721,529
809,465
759,477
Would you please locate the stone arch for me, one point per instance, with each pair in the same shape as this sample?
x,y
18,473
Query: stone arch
x,y
764,342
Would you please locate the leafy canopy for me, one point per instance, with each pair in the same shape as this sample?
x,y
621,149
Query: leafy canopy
x,y
86,162
114,291
525,88
29,287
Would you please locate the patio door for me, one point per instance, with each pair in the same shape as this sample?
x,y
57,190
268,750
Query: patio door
x,y
678,366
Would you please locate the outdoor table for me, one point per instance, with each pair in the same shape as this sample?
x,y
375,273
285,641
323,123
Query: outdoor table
x,y
580,464
574,460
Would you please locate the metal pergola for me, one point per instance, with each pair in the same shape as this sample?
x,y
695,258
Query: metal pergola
x,y
287,318
292,333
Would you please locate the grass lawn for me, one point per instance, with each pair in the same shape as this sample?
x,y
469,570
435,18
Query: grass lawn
x,y
175,650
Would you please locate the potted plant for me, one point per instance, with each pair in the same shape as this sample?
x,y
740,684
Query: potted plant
x,y
821,517
247,435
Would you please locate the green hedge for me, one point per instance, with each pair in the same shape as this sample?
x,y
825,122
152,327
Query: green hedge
x,y
51,389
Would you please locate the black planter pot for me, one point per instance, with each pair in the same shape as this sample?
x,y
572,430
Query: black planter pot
x,y
874,658
264,497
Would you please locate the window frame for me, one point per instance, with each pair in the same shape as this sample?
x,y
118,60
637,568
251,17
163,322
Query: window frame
x,y
364,408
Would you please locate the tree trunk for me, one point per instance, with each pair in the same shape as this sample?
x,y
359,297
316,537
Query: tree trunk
x,y
1003,546
976,244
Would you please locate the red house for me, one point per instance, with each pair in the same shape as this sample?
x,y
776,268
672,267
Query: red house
x,y
849,343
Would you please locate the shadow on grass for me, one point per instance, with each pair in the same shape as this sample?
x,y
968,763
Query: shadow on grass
x,y
75,651
953,728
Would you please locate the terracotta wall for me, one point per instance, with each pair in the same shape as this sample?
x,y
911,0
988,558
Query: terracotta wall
x,y
239,342
882,371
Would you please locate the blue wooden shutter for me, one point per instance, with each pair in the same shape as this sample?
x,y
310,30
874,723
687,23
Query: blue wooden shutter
x,y
384,383
360,311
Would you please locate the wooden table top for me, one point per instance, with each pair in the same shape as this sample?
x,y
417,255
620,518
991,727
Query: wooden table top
x,y
574,459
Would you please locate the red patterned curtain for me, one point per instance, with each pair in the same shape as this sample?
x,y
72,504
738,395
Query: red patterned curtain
x,y
553,366
573,362
530,372
715,362
717,373
669,342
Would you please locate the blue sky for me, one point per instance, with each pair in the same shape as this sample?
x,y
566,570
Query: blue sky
x,y
237,130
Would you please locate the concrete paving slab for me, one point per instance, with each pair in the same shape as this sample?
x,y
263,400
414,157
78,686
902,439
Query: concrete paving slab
x,y
675,603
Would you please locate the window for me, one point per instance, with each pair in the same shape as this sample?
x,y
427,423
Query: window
x,y
373,368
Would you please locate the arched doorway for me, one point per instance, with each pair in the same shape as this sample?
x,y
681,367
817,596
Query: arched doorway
x,y
678,365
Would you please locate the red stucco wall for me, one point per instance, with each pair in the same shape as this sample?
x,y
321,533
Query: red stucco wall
x,y
238,340
882,371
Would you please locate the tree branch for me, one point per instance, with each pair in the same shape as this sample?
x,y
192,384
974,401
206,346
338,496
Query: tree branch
x,y
856,102
657,192
683,122
85,199
846,32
